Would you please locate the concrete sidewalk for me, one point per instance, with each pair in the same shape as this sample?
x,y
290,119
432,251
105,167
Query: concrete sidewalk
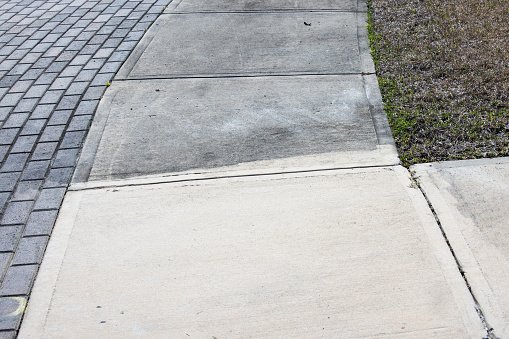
x,y
240,180
470,199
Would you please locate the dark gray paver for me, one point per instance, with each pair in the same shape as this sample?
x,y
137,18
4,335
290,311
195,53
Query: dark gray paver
x,y
40,223
18,280
9,236
30,250
56,58
10,307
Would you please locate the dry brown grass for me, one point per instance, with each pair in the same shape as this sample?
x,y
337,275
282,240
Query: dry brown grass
x,y
443,67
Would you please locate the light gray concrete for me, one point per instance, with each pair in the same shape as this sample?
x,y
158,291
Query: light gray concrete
x,y
348,253
161,126
213,44
471,199
261,5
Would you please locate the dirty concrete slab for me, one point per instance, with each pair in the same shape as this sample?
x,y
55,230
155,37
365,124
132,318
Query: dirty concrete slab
x,y
224,44
262,5
161,126
347,253
471,199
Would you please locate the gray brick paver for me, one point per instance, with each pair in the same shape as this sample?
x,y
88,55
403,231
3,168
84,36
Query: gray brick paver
x,y
27,190
49,198
15,162
60,117
33,127
8,181
56,58
18,280
35,170
8,306
9,237
66,158
17,212
40,223
25,105
24,144
30,250
44,151
16,120
7,136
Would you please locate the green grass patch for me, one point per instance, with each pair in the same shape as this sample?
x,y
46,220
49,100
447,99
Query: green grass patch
x,y
444,76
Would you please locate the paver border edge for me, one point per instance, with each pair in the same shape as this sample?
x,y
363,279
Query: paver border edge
x,y
95,133
126,69
367,65
380,121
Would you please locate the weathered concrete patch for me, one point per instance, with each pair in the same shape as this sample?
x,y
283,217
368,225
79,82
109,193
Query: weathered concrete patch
x,y
471,199
262,5
162,126
350,253
195,45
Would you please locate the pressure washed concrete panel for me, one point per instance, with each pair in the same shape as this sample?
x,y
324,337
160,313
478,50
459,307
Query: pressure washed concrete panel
x,y
262,5
471,199
162,126
211,44
336,254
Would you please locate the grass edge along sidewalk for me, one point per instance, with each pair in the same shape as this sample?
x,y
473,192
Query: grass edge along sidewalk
x,y
444,77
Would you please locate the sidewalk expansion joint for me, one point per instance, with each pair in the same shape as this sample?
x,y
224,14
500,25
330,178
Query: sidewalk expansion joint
x,y
490,331
273,11
169,178
239,75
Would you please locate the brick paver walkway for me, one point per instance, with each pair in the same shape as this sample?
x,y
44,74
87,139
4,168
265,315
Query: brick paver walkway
x,y
56,58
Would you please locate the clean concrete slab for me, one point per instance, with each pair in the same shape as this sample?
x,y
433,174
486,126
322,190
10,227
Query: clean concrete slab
x,y
334,254
261,5
162,126
240,44
471,199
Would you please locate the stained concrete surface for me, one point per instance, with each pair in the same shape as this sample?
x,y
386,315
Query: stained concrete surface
x,y
471,199
162,126
348,253
212,44
263,5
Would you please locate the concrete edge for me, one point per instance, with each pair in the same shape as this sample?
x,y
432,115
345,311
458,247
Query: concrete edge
x,y
452,223
361,6
172,6
366,61
232,75
461,163
445,258
373,94
380,121
89,150
273,10
44,286
382,156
